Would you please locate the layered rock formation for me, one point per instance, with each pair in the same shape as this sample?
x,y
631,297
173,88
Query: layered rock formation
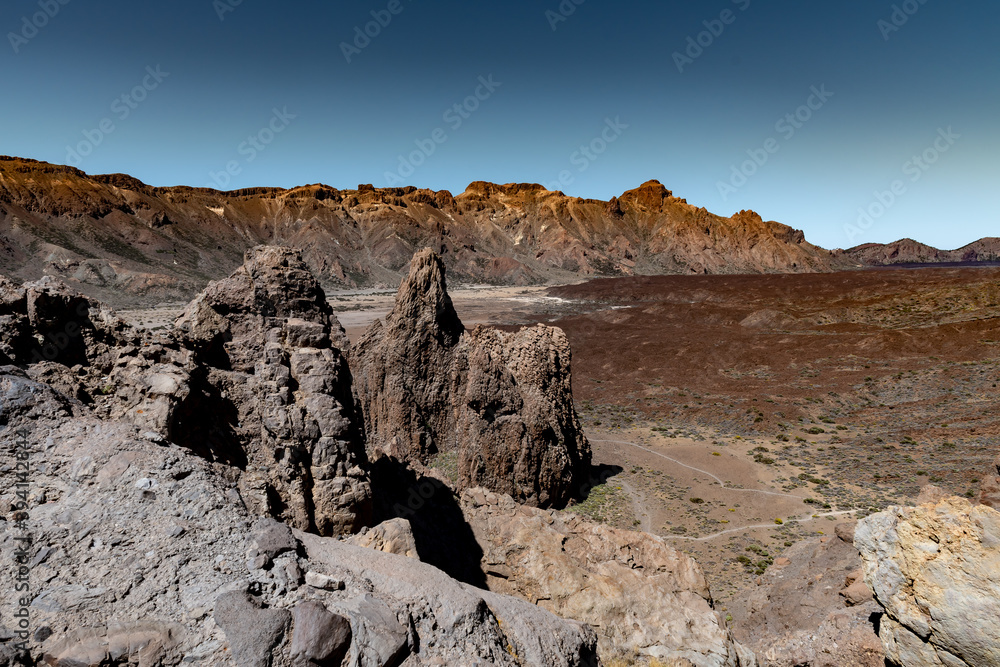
x,y
499,403
644,597
269,346
117,238
935,569
141,553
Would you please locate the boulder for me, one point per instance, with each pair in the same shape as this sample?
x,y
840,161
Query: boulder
x,y
495,406
319,638
935,571
642,596
394,536
255,634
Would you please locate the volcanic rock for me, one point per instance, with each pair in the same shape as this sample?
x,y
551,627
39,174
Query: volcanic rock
x,y
935,570
643,597
499,403
989,488
104,509
274,395
811,608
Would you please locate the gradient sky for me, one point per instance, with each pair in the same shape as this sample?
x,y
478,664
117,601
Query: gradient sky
x,y
561,81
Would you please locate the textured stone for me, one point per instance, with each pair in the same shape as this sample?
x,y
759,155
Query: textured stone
x,y
811,608
935,569
318,637
273,538
275,393
642,596
254,633
393,536
103,551
500,405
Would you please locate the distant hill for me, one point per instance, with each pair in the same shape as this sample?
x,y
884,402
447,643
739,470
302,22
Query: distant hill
x,y
908,251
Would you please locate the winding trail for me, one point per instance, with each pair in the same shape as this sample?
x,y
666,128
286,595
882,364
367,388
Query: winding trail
x,y
740,529
704,472
722,484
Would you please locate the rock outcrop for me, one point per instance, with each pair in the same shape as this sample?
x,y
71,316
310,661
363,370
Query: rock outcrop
x,y
254,378
500,404
935,569
644,597
811,608
274,386
140,553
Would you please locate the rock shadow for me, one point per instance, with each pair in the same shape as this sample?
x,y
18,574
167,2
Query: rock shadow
x,y
443,538
598,475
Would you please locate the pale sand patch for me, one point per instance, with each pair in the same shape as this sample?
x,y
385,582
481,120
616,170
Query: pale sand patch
x,y
474,305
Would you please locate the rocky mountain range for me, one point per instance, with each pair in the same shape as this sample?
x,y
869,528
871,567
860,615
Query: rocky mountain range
x,y
908,251
115,237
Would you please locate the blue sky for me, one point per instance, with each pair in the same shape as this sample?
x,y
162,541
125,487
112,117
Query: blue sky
x,y
588,96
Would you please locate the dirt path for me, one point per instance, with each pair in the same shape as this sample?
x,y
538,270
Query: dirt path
x,y
741,529
641,510
638,503
704,472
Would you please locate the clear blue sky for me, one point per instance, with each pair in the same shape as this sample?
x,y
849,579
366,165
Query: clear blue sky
x,y
689,120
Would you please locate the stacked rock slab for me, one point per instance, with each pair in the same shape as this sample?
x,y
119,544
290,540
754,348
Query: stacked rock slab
x,y
274,383
935,570
499,403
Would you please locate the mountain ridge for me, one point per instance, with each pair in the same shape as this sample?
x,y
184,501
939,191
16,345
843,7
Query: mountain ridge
x,y
114,237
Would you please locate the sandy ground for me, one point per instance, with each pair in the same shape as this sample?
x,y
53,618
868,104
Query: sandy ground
x,y
711,499
474,305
